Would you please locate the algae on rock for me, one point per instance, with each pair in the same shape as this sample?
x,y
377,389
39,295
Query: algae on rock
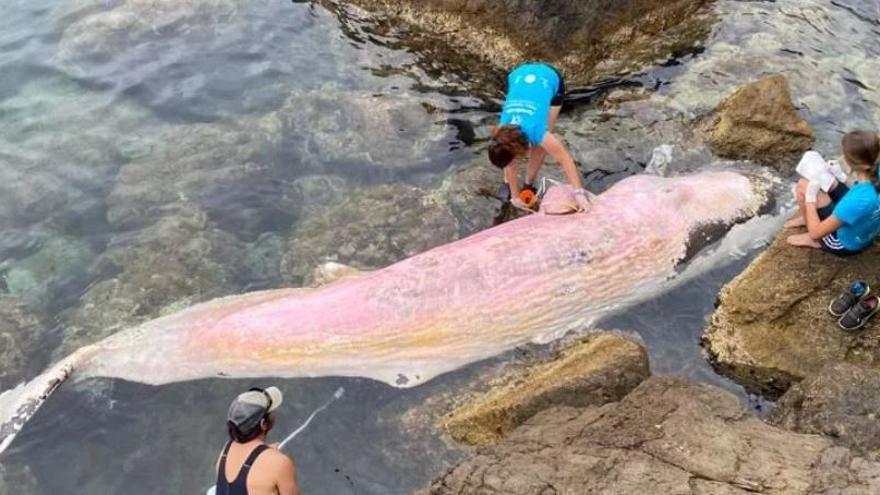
x,y
22,332
370,228
600,368
587,39
759,122
179,260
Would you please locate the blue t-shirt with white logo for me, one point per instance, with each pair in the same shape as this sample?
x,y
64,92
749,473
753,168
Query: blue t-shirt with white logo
x,y
859,210
530,89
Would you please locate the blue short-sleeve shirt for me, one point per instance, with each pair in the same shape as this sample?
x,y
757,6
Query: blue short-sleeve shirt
x,y
859,210
530,89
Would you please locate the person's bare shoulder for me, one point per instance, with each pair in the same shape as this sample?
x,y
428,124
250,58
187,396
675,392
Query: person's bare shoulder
x,y
280,460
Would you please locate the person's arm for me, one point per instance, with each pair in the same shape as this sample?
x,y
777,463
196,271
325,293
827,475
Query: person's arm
x,y
512,178
287,477
816,228
557,150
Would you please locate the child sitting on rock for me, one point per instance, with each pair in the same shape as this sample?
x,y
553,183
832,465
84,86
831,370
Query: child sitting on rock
x,y
845,220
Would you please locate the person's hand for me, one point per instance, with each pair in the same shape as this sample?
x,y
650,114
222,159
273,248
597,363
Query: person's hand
x,y
812,193
837,171
582,197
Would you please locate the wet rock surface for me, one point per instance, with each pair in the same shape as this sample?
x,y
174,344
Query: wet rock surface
x,y
22,332
842,401
759,122
586,39
178,261
599,369
667,436
772,327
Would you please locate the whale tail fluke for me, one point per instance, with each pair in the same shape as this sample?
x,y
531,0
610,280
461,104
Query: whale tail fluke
x,y
19,404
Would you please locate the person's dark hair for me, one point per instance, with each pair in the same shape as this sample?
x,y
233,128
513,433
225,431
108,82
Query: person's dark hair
x,y
246,436
508,142
861,149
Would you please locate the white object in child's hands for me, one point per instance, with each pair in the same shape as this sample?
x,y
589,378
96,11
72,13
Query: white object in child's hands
x,y
837,170
814,168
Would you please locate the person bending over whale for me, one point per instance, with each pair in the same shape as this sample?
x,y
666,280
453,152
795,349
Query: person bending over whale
x,y
247,465
535,92
847,219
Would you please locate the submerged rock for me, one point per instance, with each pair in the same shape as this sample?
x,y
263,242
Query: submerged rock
x,y
772,326
59,263
360,134
587,39
59,151
16,479
22,333
369,228
468,191
107,27
180,260
842,401
599,369
207,164
759,122
667,436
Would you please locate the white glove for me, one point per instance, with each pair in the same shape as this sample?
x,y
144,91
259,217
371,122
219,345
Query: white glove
x,y
812,194
837,171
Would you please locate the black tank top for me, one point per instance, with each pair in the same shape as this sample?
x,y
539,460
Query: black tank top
x,y
239,484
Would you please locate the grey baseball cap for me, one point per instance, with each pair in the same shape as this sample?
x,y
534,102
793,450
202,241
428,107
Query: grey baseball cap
x,y
248,408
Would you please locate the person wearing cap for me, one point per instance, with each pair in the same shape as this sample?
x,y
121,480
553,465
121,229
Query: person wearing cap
x,y
248,466
535,92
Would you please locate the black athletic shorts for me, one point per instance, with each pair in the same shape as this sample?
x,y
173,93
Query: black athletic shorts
x,y
830,243
559,97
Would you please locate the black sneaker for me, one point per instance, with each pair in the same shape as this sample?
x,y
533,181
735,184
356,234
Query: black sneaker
x,y
848,298
859,314
504,192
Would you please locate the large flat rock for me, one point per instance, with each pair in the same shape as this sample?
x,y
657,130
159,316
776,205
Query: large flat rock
x,y
842,401
667,436
599,369
772,326
587,38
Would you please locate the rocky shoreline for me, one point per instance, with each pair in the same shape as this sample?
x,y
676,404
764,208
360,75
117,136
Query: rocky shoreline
x,y
669,435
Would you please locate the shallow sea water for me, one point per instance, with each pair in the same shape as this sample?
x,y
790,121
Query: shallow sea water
x,y
82,91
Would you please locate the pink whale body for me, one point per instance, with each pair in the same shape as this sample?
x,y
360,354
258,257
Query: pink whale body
x,y
531,279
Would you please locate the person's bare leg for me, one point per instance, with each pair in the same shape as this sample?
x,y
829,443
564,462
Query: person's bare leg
x,y
804,240
536,154
799,219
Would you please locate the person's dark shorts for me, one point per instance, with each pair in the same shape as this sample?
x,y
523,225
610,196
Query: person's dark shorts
x,y
559,97
830,243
